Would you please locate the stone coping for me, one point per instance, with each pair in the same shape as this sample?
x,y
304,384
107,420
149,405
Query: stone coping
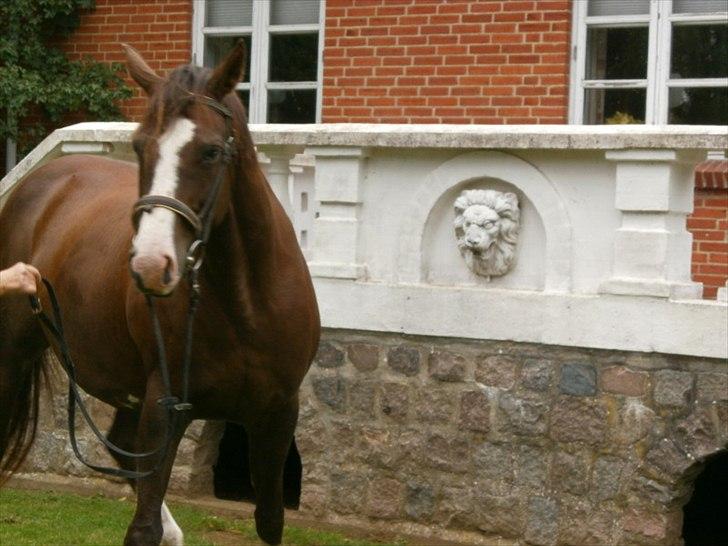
x,y
526,137
532,137
546,137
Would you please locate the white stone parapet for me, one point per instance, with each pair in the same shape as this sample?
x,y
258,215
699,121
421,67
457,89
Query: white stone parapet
x,y
602,254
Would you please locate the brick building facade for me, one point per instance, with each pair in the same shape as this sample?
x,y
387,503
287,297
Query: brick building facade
x,y
447,62
408,61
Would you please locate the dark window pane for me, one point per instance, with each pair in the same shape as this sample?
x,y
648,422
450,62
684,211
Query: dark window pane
x,y
244,95
217,47
699,106
292,106
699,51
614,106
228,13
616,53
293,57
294,12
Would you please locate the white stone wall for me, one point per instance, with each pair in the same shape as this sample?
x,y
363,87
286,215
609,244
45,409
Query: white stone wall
x,y
603,256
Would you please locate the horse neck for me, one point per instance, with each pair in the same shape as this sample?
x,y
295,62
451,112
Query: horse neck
x,y
245,246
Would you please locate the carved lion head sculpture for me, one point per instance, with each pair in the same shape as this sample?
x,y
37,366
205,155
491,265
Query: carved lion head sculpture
x,y
486,226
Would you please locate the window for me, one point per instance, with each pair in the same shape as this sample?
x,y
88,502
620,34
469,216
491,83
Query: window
x,y
282,81
650,61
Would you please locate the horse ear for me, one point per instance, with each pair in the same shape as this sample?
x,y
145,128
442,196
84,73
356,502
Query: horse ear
x,y
228,73
139,70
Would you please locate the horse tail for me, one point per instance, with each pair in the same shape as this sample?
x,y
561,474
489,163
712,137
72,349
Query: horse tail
x,y
19,417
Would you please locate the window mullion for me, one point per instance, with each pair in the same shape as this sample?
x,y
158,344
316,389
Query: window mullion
x,y
259,62
697,82
660,38
320,61
198,38
615,84
578,63
653,96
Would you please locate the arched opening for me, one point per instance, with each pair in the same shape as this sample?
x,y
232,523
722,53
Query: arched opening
x,y
705,522
231,472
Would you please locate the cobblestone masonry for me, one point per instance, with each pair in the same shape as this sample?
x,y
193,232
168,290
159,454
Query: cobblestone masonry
x,y
538,444
546,445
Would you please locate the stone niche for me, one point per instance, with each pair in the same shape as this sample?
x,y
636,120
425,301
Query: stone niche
x,y
543,252
443,263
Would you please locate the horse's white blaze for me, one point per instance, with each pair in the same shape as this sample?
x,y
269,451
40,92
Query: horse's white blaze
x,y
172,535
155,236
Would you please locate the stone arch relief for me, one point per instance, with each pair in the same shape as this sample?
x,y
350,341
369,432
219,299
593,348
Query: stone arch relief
x,y
486,227
514,171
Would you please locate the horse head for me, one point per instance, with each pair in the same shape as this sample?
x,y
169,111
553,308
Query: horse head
x,y
184,148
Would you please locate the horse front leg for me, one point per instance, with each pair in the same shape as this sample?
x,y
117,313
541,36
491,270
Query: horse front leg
x,y
123,434
270,437
152,516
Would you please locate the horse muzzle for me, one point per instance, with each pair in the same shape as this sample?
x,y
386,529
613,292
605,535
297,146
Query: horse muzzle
x,y
155,274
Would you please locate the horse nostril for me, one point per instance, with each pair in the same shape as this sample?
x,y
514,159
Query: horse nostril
x,y
167,276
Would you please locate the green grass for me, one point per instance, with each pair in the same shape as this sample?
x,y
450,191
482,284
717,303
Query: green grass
x,y
46,518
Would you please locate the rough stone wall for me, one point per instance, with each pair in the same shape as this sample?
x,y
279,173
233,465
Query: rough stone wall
x,y
537,444
547,445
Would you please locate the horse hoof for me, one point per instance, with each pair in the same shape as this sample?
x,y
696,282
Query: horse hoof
x,y
269,527
172,539
144,536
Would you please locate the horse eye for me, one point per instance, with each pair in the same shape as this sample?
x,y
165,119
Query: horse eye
x,y
211,153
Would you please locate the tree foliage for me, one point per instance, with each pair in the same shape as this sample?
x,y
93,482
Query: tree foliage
x,y
38,83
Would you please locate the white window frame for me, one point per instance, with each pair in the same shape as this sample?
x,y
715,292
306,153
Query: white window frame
x,y
260,31
657,83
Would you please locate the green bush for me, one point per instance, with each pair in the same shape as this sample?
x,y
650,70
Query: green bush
x,y
38,84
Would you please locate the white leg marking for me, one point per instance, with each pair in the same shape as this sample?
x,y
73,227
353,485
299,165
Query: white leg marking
x,y
172,533
156,228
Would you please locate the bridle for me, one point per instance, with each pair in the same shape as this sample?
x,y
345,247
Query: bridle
x,y
200,222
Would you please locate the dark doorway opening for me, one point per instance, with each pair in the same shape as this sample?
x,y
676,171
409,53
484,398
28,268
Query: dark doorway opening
x,y
231,473
705,520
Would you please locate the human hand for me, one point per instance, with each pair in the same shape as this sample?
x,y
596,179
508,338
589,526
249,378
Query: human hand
x,y
19,279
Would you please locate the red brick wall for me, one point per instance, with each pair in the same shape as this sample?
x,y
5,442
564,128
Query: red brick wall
x,y
709,226
161,30
446,61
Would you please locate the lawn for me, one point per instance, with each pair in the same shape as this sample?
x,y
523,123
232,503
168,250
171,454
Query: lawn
x,y
47,518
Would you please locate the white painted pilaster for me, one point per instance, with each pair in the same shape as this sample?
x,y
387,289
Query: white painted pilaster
x,y
334,249
278,171
652,248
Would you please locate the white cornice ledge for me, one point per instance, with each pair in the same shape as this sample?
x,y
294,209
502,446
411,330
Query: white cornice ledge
x,y
532,137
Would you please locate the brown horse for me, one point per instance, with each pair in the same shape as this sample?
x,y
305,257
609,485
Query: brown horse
x,y
257,327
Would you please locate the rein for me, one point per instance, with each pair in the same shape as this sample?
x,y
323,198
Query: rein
x,y
55,327
201,223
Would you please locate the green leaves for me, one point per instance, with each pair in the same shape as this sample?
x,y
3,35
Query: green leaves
x,y
38,84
